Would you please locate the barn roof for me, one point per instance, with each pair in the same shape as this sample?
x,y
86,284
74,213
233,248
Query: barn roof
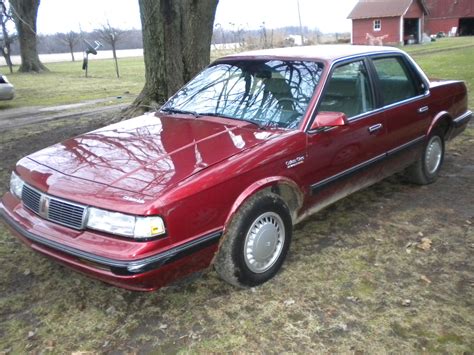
x,y
382,8
449,8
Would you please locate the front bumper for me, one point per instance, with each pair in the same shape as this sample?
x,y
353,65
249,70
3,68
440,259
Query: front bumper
x,y
143,274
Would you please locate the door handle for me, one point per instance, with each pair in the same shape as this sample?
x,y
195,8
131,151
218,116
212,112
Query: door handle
x,y
423,109
375,128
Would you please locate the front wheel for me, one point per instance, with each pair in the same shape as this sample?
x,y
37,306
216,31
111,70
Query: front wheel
x,y
426,169
256,241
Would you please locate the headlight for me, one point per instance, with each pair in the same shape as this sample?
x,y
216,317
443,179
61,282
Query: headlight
x,y
125,225
16,185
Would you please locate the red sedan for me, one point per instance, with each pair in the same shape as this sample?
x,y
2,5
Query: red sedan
x,y
248,148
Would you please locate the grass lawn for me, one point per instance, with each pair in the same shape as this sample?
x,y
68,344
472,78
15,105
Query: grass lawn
x,y
66,84
447,58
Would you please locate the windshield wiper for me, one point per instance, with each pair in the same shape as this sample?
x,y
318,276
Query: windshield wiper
x,y
230,117
177,110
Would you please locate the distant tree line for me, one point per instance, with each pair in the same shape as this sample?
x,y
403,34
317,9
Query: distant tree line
x,y
60,42
132,39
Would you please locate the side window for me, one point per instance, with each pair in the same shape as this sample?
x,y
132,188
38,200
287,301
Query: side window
x,y
348,90
395,80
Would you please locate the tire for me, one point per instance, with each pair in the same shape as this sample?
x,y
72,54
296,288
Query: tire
x,y
256,242
426,169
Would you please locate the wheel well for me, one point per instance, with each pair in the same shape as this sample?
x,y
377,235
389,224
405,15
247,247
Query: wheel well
x,y
444,125
290,196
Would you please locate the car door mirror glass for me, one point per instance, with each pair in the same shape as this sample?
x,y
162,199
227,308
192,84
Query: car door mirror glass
x,y
329,119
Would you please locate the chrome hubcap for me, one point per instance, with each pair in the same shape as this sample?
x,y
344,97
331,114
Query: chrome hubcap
x,y
433,154
264,242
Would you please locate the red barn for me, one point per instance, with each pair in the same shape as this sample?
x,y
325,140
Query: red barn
x,y
395,21
446,14
401,21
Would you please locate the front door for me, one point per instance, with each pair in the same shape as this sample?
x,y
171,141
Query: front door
x,y
346,158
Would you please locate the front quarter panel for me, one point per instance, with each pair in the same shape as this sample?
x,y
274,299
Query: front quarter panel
x,y
203,203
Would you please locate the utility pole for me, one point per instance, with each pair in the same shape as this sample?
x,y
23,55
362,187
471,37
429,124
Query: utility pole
x,y
301,26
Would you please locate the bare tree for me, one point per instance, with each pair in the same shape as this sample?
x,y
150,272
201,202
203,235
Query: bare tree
x,y
111,36
71,39
25,13
6,39
176,43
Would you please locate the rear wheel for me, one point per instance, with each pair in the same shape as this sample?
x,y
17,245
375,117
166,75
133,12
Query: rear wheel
x,y
426,169
256,241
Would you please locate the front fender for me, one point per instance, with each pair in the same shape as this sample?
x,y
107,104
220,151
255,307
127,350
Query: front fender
x,y
259,186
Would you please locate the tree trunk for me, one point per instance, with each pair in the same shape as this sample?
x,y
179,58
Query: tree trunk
x,y
6,54
6,41
71,49
176,43
24,14
114,52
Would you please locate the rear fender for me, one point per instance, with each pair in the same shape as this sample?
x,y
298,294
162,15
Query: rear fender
x,y
443,115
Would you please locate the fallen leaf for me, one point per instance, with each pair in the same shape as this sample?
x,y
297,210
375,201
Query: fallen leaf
x,y
406,303
424,278
27,272
353,299
343,327
31,334
111,310
289,302
425,244
420,234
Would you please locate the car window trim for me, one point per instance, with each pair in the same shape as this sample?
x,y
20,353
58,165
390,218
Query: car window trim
x,y
375,83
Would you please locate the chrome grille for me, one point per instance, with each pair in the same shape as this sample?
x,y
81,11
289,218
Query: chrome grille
x,y
31,198
65,213
54,209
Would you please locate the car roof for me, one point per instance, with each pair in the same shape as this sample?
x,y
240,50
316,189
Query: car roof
x,y
326,53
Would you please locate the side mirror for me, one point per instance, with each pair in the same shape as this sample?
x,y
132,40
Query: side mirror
x,y
329,119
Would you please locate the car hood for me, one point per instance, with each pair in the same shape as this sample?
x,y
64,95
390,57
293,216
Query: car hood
x,y
150,153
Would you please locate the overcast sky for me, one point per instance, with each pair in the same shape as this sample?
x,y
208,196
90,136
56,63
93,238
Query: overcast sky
x,y
66,15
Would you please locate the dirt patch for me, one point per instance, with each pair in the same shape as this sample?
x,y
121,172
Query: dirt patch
x,y
356,279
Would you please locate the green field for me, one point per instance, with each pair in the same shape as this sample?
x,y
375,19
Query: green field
x,y
65,83
447,58
357,279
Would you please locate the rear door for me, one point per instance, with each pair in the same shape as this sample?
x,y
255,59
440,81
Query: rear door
x,y
404,100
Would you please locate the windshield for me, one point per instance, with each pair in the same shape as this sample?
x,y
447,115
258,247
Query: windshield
x,y
269,93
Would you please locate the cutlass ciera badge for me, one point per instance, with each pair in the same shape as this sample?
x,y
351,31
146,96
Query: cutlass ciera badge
x,y
293,162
